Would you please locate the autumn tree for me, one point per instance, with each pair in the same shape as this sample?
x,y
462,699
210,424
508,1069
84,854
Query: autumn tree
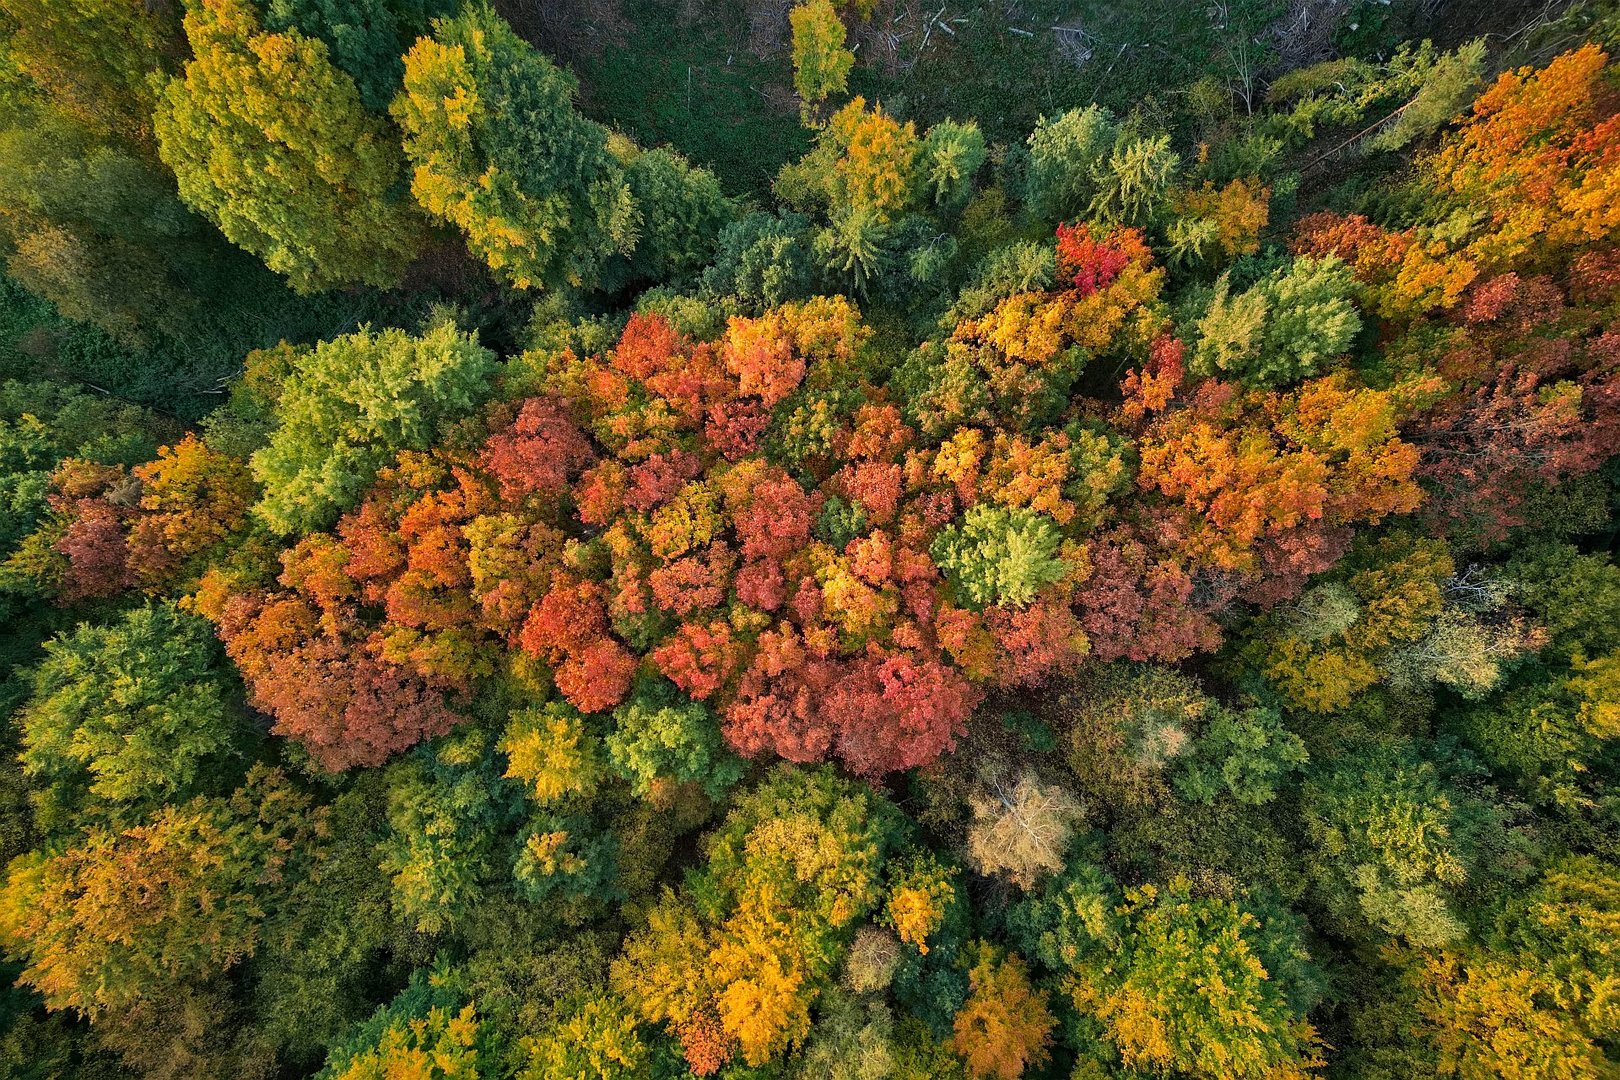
x,y
349,405
314,199
593,1037
820,62
1169,940
1004,1027
798,862
497,150
122,917
1528,1003
428,1030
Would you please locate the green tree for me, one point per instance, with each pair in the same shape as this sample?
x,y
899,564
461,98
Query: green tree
x,y
1286,328
1180,984
661,736
952,153
1382,852
447,808
1134,183
136,711
1575,597
1066,155
999,555
1248,753
763,260
89,218
1447,86
98,230
271,143
498,151
820,62
680,211
367,39
350,404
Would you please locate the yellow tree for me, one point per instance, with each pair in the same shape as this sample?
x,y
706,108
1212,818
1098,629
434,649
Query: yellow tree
x,y
270,142
820,62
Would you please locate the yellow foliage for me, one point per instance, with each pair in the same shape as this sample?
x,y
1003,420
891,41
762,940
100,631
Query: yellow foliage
x,y
875,171
551,752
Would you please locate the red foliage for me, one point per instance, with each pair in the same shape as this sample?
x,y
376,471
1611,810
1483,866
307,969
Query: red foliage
x,y
876,713
777,518
760,584
875,486
345,706
655,481
566,620
693,582
734,428
538,453
597,676
700,658
704,1043
1151,388
1087,261
646,347
97,554
1036,642
1138,607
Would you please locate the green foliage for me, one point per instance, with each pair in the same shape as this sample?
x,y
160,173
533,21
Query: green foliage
x,y
1132,187
137,713
762,260
499,152
1247,753
661,737
1384,853
680,212
1287,328
1066,156
445,808
1445,91
271,143
100,232
952,154
1575,597
1000,555
365,38
349,405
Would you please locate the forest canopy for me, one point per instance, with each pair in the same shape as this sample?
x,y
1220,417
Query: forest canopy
x,y
497,589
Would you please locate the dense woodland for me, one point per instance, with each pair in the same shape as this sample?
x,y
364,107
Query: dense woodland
x,y
532,551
